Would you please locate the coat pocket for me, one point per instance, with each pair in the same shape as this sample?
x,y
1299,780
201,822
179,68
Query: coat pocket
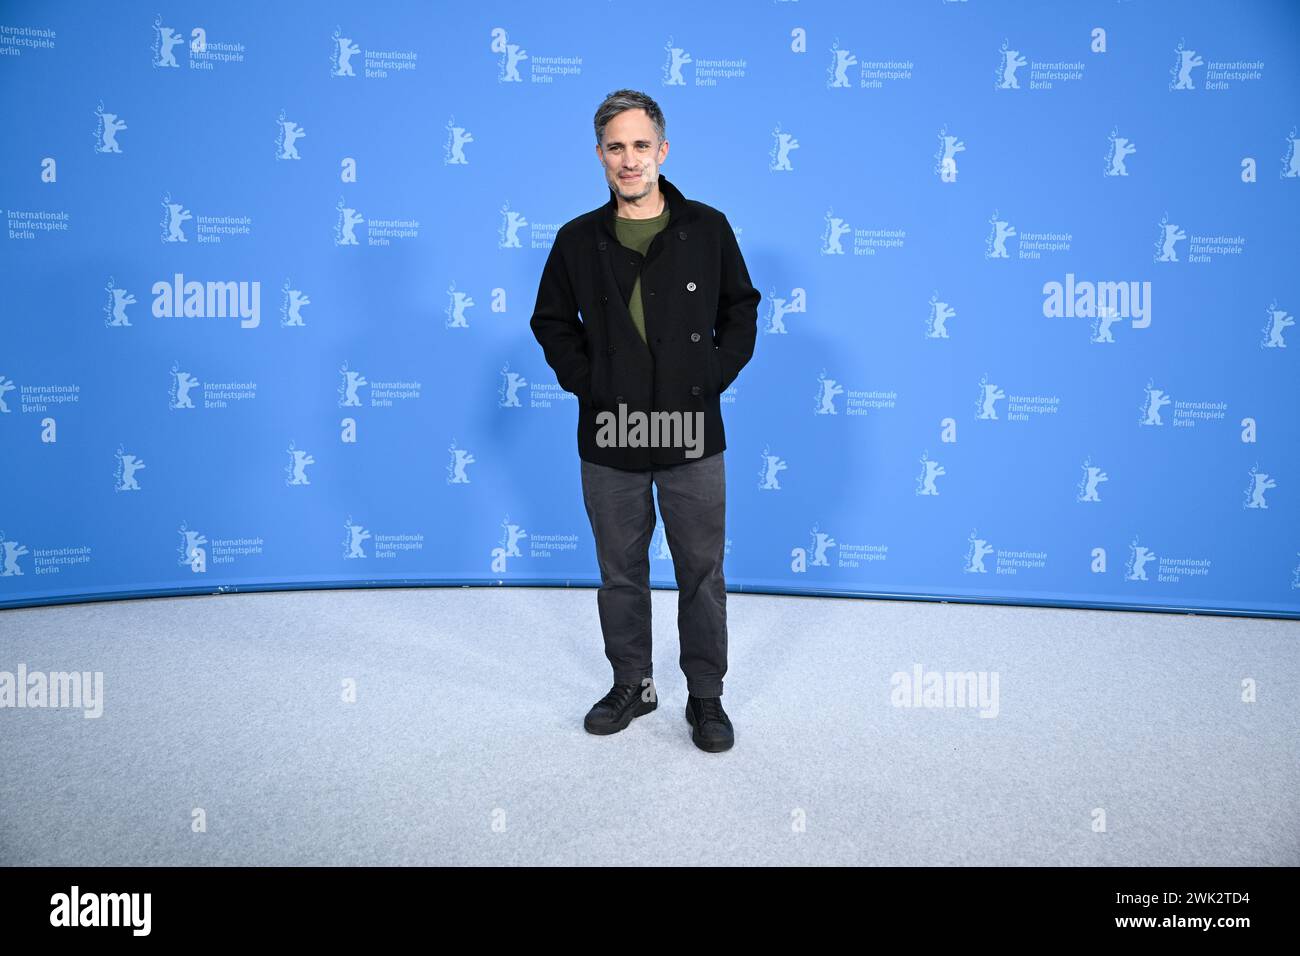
x,y
715,370
600,372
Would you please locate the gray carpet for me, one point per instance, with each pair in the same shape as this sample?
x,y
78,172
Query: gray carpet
x,y
465,743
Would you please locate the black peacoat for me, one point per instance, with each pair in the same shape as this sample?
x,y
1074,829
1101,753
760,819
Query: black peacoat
x,y
701,317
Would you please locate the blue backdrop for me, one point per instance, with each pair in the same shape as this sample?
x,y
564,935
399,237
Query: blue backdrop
x,y
1029,276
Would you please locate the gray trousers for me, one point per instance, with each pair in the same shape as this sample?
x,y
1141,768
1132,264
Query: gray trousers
x,y
693,501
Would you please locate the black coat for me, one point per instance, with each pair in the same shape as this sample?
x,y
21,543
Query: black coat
x,y
701,316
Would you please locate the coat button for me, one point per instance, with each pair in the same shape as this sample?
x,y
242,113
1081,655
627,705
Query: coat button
x,y
681,235
690,287
610,350
604,298
601,244
695,336
620,399
695,390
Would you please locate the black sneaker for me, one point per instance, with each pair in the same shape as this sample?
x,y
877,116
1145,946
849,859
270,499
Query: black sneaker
x,y
617,709
710,726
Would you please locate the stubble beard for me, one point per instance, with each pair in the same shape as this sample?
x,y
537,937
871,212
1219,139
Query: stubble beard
x,y
646,184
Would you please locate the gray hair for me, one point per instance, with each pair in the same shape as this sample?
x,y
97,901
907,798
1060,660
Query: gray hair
x,y
621,100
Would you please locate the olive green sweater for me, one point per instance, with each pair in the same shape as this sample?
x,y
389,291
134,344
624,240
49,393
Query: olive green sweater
x,y
637,234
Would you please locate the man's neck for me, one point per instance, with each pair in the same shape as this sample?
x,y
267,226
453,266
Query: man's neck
x,y
627,210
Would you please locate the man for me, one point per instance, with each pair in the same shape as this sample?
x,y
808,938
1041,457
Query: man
x,y
668,320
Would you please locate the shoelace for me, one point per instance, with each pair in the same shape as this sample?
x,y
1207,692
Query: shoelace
x,y
616,695
711,709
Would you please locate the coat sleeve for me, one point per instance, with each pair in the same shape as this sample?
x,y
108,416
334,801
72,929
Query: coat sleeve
x,y
736,325
556,326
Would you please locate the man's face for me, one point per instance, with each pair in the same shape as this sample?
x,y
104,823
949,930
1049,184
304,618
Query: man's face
x,y
630,155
